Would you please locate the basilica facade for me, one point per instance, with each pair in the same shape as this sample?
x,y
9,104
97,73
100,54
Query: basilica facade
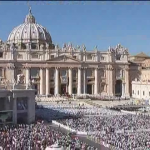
x,y
29,50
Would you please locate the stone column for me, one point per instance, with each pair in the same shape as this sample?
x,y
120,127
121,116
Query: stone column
x,y
41,81
70,81
56,81
123,89
27,75
96,81
127,92
47,82
84,81
110,79
79,81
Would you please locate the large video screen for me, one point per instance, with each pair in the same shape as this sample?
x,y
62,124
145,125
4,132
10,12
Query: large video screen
x,y
22,103
5,104
6,117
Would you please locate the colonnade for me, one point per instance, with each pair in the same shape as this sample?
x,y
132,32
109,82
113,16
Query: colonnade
x,y
57,82
81,81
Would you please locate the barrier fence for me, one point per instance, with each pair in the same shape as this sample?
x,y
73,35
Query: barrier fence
x,y
67,128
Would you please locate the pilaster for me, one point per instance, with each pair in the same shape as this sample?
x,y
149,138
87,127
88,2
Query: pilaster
x,y
127,92
79,81
110,78
70,81
96,82
56,81
84,80
47,82
41,81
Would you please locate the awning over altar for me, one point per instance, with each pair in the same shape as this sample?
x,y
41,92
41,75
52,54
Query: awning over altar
x,y
54,147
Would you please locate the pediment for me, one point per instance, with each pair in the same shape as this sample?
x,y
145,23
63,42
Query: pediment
x,y
64,58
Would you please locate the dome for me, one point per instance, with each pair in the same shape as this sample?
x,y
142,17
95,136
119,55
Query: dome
x,y
29,31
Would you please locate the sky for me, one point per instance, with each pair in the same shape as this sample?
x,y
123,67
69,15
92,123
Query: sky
x,y
98,23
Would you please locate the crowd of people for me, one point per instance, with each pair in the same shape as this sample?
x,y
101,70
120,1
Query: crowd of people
x,y
124,131
38,136
59,110
42,98
100,97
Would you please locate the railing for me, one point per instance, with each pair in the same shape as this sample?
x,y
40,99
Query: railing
x,y
15,86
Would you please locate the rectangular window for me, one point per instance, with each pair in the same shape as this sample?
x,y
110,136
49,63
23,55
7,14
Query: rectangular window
x,y
102,58
19,56
138,92
1,54
133,91
52,56
143,93
35,56
74,57
149,93
19,71
34,72
118,57
89,57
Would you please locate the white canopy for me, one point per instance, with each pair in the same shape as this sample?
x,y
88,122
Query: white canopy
x,y
54,147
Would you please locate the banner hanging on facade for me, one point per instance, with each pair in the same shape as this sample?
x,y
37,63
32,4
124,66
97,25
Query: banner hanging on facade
x,y
64,80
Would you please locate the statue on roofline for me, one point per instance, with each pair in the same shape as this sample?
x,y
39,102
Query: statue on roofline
x,y
84,48
56,46
96,48
64,47
12,48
